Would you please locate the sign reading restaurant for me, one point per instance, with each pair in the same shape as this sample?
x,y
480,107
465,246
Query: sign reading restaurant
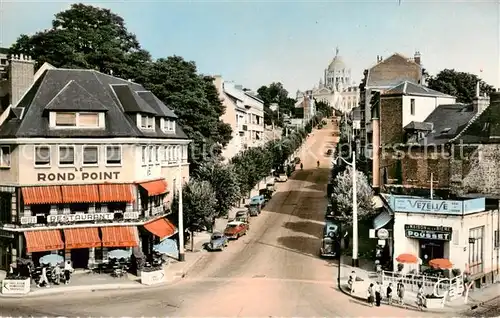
x,y
79,217
428,232
82,176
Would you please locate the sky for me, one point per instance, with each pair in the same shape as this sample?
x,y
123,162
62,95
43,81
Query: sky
x,y
255,43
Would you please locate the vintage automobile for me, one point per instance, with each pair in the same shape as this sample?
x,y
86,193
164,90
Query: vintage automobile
x,y
330,213
235,229
258,200
271,186
243,216
218,242
268,194
254,209
281,178
329,247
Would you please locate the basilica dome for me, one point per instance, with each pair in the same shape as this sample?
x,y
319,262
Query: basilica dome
x,y
337,64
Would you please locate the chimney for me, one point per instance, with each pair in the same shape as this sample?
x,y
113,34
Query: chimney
x,y
376,148
21,76
218,83
416,57
480,102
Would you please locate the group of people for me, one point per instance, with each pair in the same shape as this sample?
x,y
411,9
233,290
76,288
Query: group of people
x,y
375,293
56,273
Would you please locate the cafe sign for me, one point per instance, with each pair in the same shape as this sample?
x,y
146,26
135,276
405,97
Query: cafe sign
x,y
440,233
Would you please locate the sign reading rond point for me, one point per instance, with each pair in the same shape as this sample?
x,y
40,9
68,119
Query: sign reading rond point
x,y
78,176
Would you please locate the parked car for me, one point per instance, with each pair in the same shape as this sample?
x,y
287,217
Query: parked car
x,y
254,209
331,229
330,213
258,200
271,186
243,216
235,229
218,241
281,178
329,247
268,194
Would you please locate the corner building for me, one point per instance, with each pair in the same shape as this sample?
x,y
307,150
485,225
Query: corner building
x,y
88,163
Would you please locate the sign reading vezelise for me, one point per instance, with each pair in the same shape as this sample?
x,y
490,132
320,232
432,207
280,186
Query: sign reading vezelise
x,y
78,176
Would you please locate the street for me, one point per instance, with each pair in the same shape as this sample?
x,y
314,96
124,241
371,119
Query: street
x,y
273,271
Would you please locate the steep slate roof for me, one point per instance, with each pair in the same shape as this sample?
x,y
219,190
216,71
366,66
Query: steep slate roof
x,y
85,90
392,71
409,88
448,122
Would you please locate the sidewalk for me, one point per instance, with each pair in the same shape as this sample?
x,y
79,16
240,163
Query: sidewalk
x,y
365,278
83,281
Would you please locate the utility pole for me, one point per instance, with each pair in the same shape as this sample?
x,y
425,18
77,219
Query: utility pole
x,y
181,212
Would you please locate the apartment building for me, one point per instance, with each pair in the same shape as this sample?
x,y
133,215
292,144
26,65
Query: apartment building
x,y
88,162
245,114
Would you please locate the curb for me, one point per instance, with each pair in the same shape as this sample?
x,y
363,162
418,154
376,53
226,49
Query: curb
x,y
93,288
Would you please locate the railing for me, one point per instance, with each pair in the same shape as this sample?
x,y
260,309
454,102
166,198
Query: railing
x,y
412,281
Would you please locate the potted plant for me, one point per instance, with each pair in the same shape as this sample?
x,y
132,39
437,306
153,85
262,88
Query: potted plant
x,y
432,301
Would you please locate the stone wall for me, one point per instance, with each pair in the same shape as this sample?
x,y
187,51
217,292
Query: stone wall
x,y
391,117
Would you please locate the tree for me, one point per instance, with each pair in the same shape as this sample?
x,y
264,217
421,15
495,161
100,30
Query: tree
x,y
225,183
459,84
325,108
276,93
195,101
86,37
199,206
343,192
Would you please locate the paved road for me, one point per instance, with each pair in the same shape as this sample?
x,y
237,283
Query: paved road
x,y
273,271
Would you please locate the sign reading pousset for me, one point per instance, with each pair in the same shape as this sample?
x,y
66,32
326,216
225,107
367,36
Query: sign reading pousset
x,y
417,231
79,176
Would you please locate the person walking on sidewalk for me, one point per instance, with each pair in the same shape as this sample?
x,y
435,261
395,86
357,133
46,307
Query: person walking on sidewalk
x,y
68,269
401,292
378,294
420,297
351,281
43,280
371,294
389,294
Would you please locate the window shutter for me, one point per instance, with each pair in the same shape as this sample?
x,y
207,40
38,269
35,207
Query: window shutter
x,y
90,155
65,119
88,120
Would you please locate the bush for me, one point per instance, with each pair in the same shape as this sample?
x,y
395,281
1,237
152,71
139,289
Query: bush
x,y
456,272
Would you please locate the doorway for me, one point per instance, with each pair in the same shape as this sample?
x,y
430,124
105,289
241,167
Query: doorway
x,y
430,249
80,257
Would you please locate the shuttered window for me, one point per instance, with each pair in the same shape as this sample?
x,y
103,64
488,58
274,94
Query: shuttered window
x,y
42,156
88,120
90,155
113,155
66,119
66,155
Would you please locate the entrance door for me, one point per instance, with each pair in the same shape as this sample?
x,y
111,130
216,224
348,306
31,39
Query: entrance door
x,y
430,249
80,257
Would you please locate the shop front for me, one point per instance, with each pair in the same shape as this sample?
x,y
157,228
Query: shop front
x,y
446,229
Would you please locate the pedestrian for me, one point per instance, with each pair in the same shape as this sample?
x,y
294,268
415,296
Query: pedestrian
x,y
371,294
401,292
43,281
389,294
56,274
68,269
351,281
378,294
301,166
420,297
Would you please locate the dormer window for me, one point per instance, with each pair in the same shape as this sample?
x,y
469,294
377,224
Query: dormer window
x,y
167,125
145,122
73,120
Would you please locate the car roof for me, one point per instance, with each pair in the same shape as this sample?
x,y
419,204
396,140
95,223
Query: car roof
x,y
217,233
235,223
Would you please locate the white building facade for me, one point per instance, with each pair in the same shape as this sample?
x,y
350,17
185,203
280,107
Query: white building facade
x,y
461,231
245,113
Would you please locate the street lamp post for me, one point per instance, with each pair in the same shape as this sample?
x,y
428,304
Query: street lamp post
x,y
181,212
355,262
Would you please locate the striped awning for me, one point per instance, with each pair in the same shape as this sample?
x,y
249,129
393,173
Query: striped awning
x,y
88,193
119,236
43,241
42,195
115,193
82,238
155,187
161,227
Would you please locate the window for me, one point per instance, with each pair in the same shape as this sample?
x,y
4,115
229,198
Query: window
x,y
146,122
144,154
476,250
66,119
161,153
150,153
156,150
496,239
412,106
5,208
151,122
42,156
4,156
66,155
113,155
90,155
88,120
170,153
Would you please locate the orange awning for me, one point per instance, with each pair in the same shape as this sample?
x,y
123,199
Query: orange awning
x,y
161,227
440,263
82,238
43,241
407,259
155,187
119,236
110,192
80,193
42,195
